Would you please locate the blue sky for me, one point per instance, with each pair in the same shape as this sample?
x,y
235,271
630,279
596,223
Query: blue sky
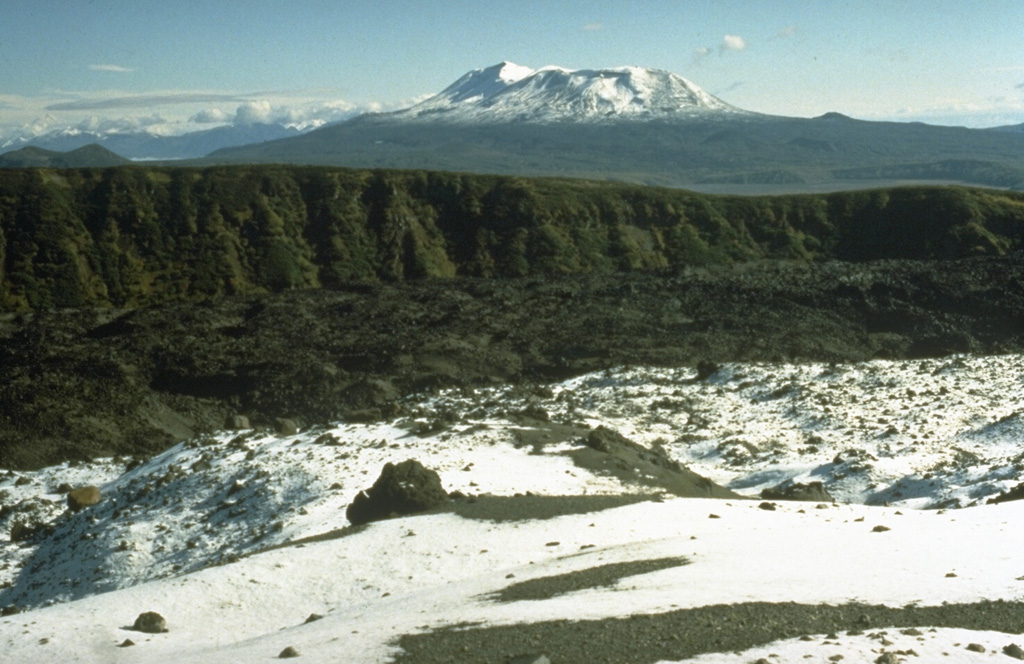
x,y
184,65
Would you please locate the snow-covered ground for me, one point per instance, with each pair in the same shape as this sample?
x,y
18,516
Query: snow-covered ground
x,y
236,538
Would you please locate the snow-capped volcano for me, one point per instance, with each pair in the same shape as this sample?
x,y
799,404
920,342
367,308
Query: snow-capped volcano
x,y
508,92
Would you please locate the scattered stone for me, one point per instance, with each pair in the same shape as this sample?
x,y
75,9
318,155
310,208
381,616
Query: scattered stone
x,y
705,370
127,643
1014,651
887,658
150,622
404,488
768,507
236,422
714,516
285,427
24,530
313,617
880,529
529,659
288,653
11,610
327,439
83,497
975,647
64,488
814,492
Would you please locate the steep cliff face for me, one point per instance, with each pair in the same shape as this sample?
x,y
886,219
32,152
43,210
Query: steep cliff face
x,y
133,236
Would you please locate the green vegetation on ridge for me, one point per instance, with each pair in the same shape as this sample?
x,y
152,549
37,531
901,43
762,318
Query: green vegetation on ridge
x,y
136,235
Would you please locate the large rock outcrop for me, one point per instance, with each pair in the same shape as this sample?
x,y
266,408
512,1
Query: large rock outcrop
x,y
404,488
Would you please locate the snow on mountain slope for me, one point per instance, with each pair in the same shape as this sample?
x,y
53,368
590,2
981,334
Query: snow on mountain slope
x,y
507,92
237,537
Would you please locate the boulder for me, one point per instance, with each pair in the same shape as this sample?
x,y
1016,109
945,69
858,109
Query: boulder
x,y
28,517
288,653
22,531
705,370
83,497
236,422
285,427
814,492
404,488
150,622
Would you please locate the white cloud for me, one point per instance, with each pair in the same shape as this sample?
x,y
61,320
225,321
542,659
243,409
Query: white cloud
x,y
210,116
700,53
173,112
97,125
733,43
786,32
141,101
593,27
299,116
728,43
253,112
112,68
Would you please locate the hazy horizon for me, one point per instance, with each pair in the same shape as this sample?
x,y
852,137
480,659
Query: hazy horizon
x,y
173,67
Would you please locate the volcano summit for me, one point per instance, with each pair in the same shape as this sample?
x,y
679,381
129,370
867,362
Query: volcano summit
x,y
508,92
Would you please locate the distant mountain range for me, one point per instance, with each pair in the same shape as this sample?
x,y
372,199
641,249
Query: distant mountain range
x,y
647,126
88,156
142,145
627,124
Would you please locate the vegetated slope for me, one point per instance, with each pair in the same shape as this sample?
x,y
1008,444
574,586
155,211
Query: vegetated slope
x,y
134,236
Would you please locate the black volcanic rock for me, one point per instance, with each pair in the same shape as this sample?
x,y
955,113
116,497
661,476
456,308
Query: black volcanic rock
x,y
85,383
150,622
812,491
607,451
403,488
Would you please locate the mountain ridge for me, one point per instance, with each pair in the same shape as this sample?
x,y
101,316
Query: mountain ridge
x,y
87,156
144,145
643,126
507,92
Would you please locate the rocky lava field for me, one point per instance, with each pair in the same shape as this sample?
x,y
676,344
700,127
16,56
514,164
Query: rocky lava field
x,y
772,461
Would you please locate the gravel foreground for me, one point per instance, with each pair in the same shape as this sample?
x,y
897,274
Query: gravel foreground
x,y
647,639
